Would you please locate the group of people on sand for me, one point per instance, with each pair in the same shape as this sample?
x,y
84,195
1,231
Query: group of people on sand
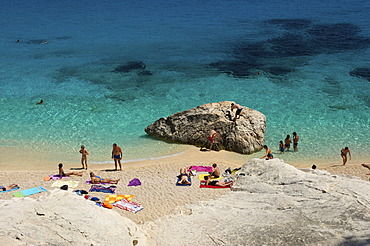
x,y
214,174
116,156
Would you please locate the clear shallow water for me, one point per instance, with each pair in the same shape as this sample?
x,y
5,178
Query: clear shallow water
x,y
86,103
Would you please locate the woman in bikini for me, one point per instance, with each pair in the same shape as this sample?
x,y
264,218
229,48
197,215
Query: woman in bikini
x,y
343,154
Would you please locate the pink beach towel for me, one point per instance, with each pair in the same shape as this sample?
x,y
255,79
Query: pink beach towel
x,y
128,205
200,168
56,177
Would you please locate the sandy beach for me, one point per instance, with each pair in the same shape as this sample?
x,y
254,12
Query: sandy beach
x,y
158,193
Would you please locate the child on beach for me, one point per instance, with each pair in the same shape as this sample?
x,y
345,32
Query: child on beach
x,y
84,154
268,155
281,147
63,174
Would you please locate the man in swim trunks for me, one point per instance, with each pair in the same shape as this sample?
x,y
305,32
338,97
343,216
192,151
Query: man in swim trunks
x,y
97,180
343,154
84,154
268,155
238,110
216,173
117,156
295,141
213,138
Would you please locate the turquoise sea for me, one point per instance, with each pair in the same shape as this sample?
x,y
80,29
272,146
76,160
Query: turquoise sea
x,y
304,64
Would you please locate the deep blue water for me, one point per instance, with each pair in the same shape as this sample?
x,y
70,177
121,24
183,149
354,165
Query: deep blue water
x,y
194,52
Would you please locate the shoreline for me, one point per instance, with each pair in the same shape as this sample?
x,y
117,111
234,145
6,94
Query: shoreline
x,y
34,160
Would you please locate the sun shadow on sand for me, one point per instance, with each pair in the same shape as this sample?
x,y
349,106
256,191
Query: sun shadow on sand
x,y
76,168
110,170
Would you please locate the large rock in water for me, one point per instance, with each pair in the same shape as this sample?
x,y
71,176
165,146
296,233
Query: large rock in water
x,y
193,126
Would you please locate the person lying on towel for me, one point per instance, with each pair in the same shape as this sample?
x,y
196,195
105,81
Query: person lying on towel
x,y
97,180
8,187
219,183
183,176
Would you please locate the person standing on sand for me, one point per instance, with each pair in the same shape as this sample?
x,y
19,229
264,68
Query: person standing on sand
x,y
295,141
213,138
343,154
117,156
287,141
238,110
268,155
84,154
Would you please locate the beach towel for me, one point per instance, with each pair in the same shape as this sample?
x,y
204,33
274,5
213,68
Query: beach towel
x,y
55,177
201,177
28,192
203,185
70,183
128,206
116,198
9,190
178,179
104,189
200,168
134,182
89,182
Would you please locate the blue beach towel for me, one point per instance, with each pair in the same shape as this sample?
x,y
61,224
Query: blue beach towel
x,y
99,188
9,190
31,191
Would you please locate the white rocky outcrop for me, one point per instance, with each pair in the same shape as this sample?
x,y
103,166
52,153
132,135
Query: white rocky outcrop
x,y
192,126
64,218
274,203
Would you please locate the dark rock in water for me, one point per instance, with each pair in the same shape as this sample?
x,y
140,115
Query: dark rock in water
x,y
301,40
193,126
130,66
291,45
331,38
235,68
361,72
278,70
145,73
291,23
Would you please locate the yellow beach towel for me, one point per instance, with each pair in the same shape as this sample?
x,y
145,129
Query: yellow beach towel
x,y
201,177
116,198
